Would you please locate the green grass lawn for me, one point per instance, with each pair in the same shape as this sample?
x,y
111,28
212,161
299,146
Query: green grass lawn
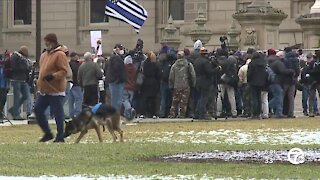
x,y
22,155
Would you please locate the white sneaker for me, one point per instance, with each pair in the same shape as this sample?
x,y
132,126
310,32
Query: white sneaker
x,y
32,116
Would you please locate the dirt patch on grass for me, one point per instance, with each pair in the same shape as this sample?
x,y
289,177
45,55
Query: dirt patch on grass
x,y
311,156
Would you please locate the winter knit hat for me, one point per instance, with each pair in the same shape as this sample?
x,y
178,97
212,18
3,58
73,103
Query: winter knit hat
x,y
164,49
128,60
280,54
238,54
24,50
251,51
197,45
271,52
51,38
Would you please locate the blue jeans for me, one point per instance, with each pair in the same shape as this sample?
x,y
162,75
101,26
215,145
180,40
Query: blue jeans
x,y
305,99
21,91
116,91
75,99
29,103
56,106
276,103
165,100
126,102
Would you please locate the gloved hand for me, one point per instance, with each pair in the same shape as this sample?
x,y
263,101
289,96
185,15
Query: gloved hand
x,y
49,77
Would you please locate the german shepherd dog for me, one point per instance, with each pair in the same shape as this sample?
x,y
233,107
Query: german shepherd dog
x,y
106,116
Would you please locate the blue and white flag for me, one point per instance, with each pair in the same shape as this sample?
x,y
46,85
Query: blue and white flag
x,y
128,11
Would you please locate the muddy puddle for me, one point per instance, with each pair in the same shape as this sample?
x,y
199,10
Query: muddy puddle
x,y
311,156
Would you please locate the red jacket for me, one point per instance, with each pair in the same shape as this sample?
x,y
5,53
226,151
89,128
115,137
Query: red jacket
x,y
131,77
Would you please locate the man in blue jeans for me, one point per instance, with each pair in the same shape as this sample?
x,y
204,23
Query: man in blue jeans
x,y
305,103
167,57
276,103
75,96
278,67
51,86
21,67
116,76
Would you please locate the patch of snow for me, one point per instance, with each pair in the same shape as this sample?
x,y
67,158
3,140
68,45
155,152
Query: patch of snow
x,y
263,156
241,137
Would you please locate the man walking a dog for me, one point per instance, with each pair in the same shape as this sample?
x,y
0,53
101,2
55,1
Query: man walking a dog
x,y
51,86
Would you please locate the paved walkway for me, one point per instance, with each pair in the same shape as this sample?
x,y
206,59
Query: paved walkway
x,y
298,113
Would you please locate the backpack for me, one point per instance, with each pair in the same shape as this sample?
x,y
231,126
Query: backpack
x,y
8,67
271,76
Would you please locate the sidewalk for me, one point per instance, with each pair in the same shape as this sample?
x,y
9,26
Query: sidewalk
x,y
298,114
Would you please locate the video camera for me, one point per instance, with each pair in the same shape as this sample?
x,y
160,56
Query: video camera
x,y
223,40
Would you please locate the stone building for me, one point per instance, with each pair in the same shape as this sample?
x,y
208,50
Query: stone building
x,y
72,21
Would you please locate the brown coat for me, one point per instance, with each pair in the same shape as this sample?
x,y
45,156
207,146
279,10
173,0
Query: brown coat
x,y
54,62
132,77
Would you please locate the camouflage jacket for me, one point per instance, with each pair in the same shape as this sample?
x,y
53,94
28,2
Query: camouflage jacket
x,y
182,75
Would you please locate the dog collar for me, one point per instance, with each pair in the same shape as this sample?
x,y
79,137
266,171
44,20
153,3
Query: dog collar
x,y
95,108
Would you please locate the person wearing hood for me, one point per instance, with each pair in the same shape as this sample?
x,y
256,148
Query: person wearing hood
x,y
204,72
166,60
289,84
182,77
129,88
20,68
244,87
191,57
51,84
116,76
257,79
278,67
228,80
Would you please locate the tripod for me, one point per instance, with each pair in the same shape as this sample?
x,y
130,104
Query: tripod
x,y
4,120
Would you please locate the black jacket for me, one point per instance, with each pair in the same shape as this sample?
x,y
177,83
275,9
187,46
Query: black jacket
x,y
257,75
115,70
165,67
151,85
75,68
314,71
194,56
229,67
291,62
20,67
204,72
279,69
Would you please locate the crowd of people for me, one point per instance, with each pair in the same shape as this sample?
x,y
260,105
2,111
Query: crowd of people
x,y
169,84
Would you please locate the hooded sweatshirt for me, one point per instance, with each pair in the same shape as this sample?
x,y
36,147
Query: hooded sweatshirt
x,y
243,73
257,75
182,75
53,62
197,45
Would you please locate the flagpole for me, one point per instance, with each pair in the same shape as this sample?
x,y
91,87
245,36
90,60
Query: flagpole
x,y
38,30
38,42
